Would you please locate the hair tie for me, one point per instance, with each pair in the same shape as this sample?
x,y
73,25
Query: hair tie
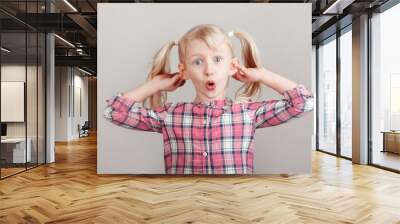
x,y
230,34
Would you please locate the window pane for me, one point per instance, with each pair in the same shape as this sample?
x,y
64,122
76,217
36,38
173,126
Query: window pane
x,y
327,97
346,94
386,89
13,148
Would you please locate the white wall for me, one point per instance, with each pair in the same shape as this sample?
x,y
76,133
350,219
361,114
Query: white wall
x,y
127,43
67,116
12,73
15,72
61,103
80,83
314,89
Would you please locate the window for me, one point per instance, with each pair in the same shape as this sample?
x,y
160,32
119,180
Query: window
x,y
346,75
327,96
385,88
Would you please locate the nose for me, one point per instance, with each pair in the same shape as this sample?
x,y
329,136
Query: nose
x,y
209,68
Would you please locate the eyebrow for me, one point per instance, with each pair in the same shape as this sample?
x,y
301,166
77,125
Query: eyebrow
x,y
198,54
194,55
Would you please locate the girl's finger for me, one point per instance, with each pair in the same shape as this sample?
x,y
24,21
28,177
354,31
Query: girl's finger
x,y
175,80
238,77
243,70
241,73
176,77
238,65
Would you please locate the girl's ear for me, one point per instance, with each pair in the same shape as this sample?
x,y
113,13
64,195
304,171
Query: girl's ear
x,y
232,69
182,71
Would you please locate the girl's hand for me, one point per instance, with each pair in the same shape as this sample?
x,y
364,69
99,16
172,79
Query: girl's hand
x,y
168,82
247,74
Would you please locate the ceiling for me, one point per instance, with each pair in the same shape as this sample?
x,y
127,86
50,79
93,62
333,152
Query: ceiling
x,y
76,22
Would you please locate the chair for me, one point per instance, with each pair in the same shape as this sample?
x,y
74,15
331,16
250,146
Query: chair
x,y
84,130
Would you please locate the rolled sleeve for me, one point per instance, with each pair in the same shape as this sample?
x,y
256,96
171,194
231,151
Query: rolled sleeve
x,y
129,113
295,103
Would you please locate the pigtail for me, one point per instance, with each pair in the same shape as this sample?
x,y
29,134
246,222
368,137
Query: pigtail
x,y
251,59
160,65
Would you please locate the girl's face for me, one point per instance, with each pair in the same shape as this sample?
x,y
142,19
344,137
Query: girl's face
x,y
209,69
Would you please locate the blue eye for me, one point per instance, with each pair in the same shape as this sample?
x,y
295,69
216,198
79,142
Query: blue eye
x,y
200,61
197,61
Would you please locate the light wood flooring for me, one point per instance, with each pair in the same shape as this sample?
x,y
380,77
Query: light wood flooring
x,y
70,191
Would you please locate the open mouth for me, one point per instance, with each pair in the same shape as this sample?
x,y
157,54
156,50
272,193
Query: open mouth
x,y
210,85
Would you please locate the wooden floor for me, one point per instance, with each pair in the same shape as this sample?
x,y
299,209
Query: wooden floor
x,y
70,191
5,172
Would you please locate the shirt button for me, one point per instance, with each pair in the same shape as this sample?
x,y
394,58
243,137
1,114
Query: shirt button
x,y
205,154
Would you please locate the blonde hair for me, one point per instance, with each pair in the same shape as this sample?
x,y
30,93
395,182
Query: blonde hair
x,y
211,35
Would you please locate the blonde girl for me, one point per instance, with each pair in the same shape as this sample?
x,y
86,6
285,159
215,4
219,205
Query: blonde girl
x,y
213,134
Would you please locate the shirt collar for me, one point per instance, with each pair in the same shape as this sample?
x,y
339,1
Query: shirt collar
x,y
217,107
215,103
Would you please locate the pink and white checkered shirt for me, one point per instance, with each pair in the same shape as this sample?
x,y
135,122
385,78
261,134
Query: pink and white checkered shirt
x,y
209,138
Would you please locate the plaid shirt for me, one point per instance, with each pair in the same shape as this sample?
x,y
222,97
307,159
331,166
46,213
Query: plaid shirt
x,y
209,138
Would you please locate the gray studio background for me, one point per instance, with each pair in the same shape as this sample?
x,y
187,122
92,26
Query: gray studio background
x,y
130,34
